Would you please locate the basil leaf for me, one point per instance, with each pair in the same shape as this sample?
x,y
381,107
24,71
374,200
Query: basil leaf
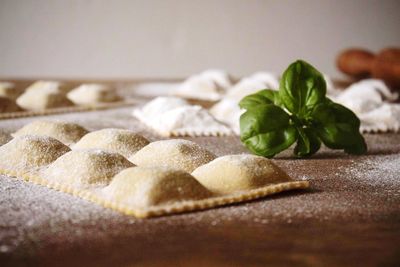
x,y
266,130
263,97
338,128
301,88
307,143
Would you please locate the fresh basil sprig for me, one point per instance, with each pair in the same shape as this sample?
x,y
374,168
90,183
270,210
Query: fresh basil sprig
x,y
299,112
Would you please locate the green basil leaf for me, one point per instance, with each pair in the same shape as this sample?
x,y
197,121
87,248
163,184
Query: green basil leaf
x,y
338,128
266,130
301,88
307,143
263,97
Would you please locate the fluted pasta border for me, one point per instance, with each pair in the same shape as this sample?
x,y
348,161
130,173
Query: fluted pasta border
x,y
155,211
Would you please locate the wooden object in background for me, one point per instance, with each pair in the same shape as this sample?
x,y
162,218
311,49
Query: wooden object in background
x,y
360,63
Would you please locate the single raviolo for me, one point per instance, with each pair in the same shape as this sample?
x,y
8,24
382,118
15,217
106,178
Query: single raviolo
x,y
232,173
66,132
189,120
158,106
149,186
4,138
29,152
383,119
88,94
228,111
9,90
171,116
174,153
208,85
48,86
252,84
8,105
86,168
120,141
365,96
37,100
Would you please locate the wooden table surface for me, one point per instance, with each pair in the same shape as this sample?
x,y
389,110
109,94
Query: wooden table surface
x,y
349,217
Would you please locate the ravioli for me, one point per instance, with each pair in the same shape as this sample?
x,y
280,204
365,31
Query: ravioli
x,y
158,106
208,85
37,100
160,185
252,84
174,117
29,152
232,173
385,118
365,96
175,153
228,111
48,86
149,186
90,94
86,168
120,141
66,132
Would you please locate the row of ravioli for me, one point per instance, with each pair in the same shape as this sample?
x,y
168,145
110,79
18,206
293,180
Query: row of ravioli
x,y
371,100
42,95
124,167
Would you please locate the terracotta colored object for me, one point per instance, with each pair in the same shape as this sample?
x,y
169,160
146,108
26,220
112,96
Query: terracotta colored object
x,y
359,63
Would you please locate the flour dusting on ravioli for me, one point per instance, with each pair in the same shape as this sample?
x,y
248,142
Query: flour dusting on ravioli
x,y
174,153
371,100
171,116
233,173
228,111
252,84
86,168
149,186
66,132
90,94
124,142
208,85
29,152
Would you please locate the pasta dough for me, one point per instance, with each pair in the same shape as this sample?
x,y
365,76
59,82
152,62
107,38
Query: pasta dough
x,y
175,153
86,168
233,173
8,105
89,94
66,132
149,186
120,141
28,152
